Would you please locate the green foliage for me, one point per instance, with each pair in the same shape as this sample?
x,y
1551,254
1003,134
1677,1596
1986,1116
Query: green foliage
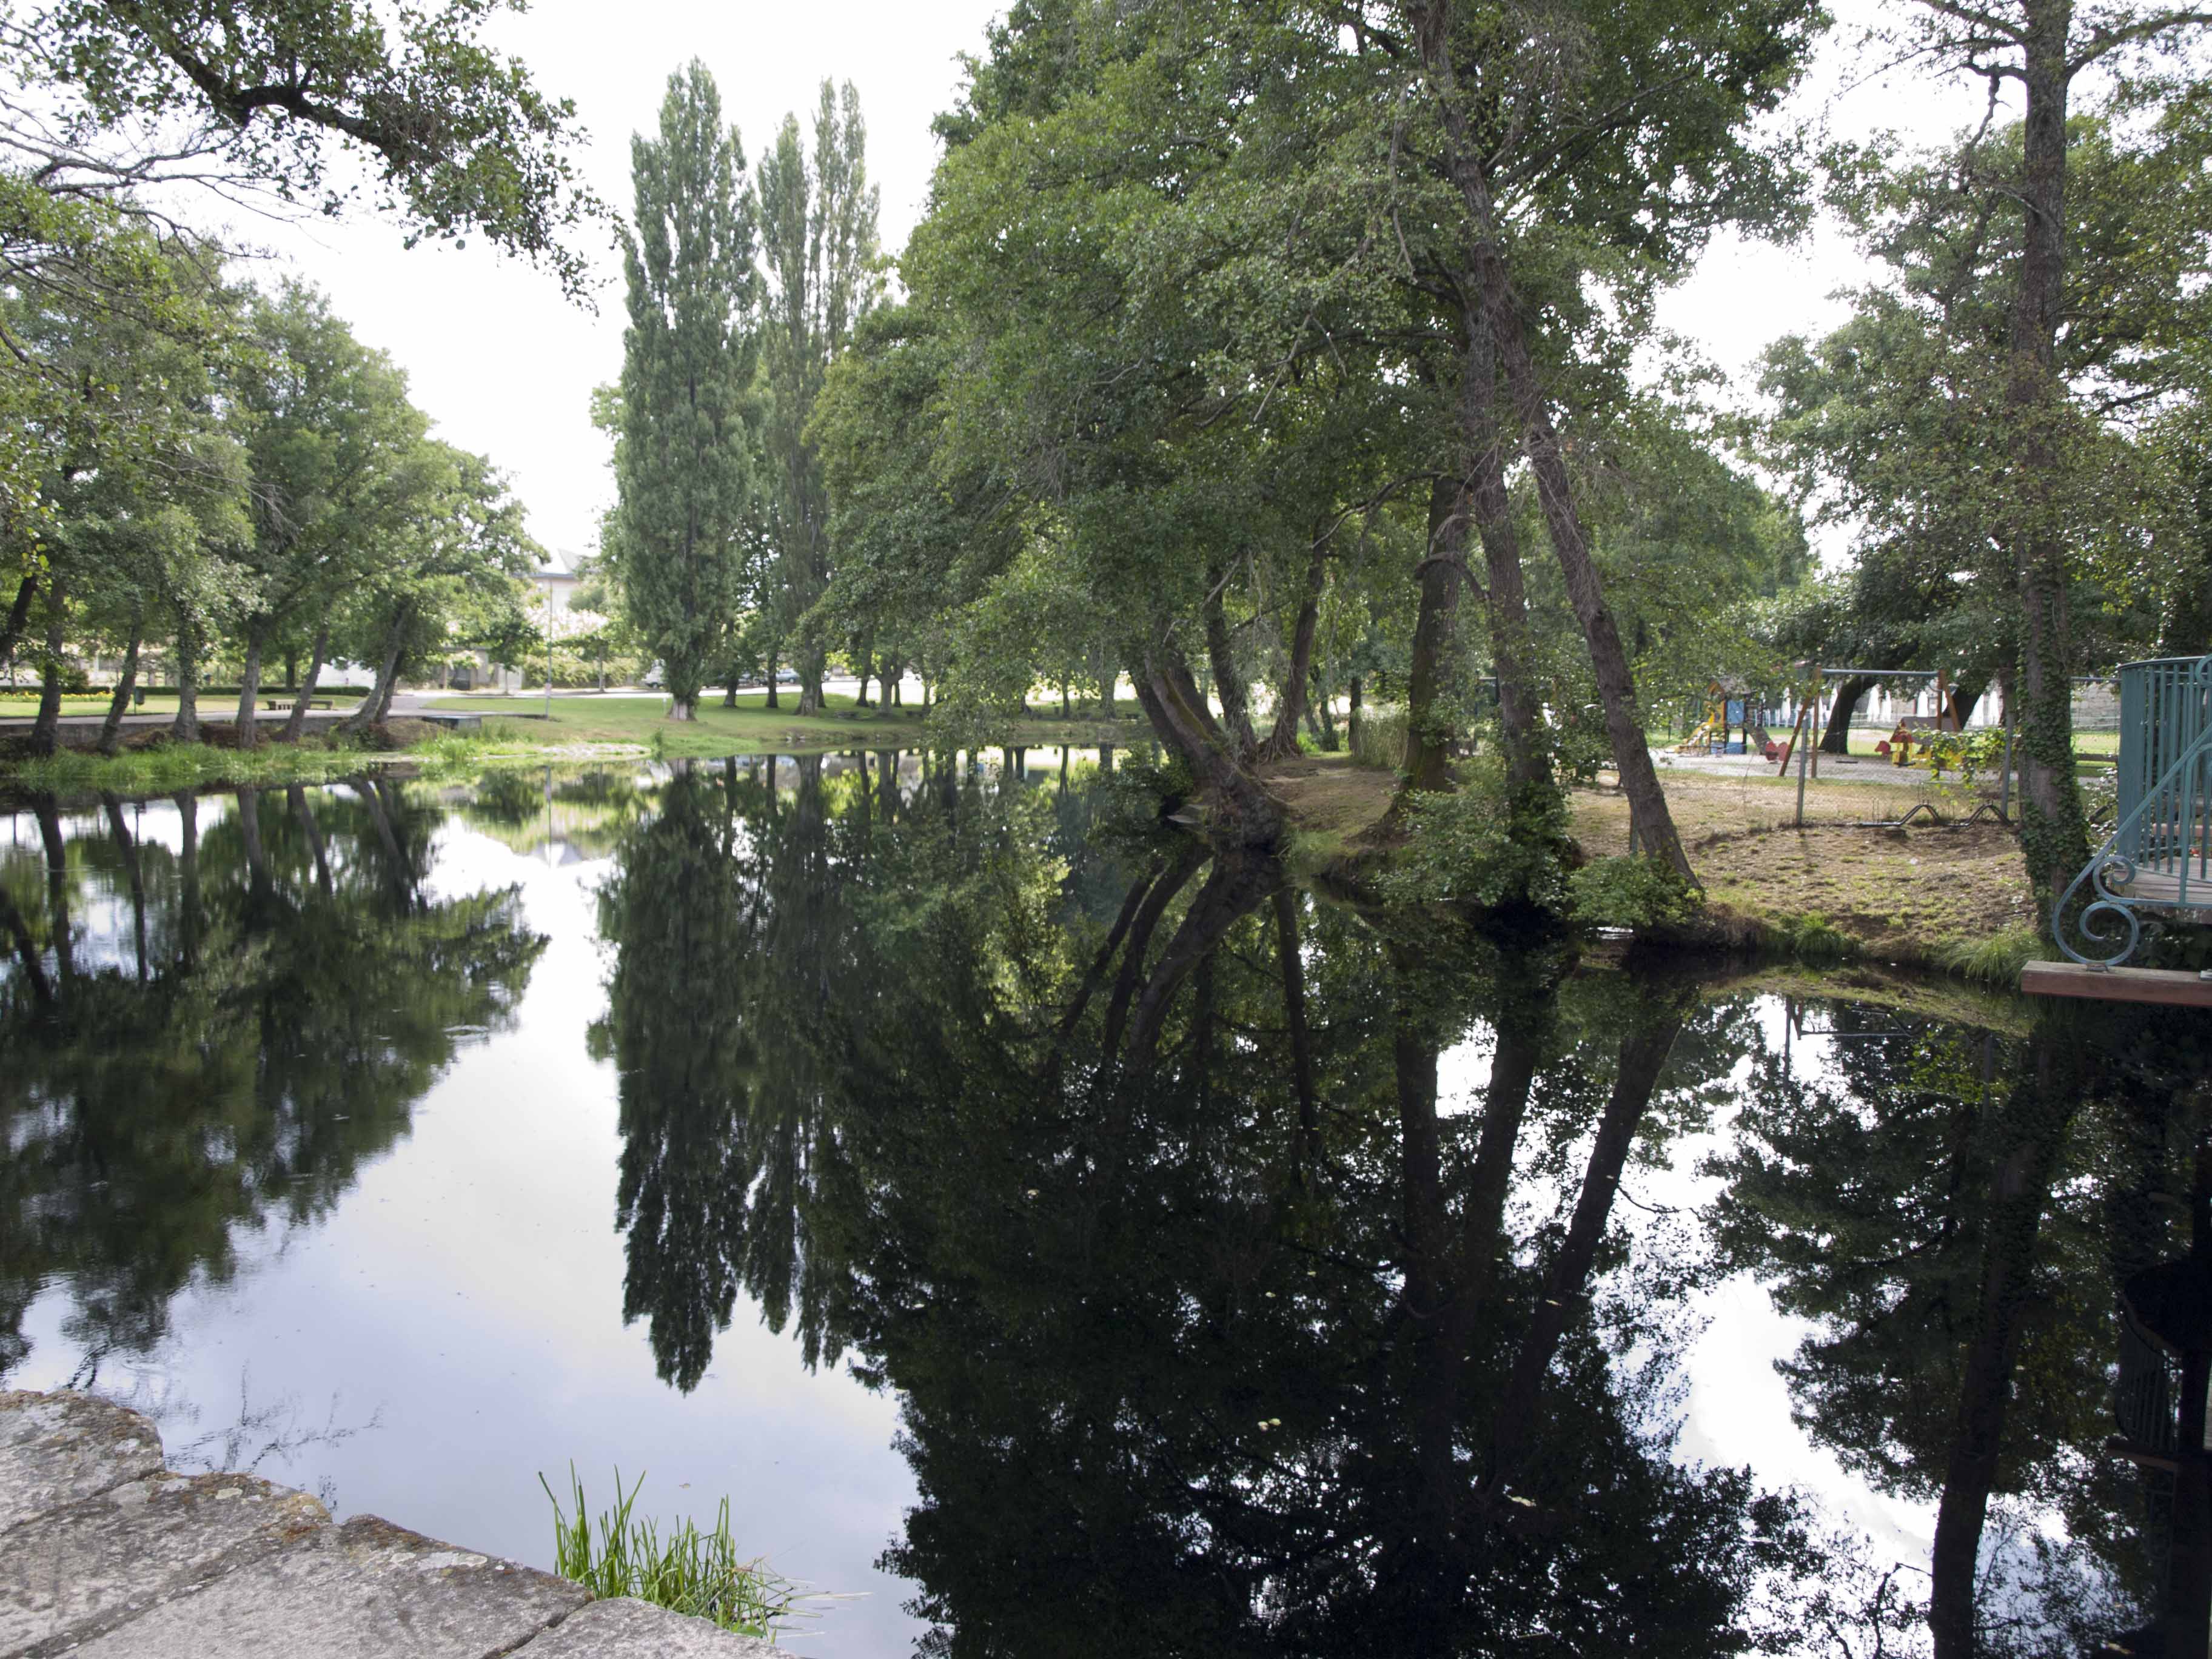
x,y
1640,894
683,467
272,93
1997,960
695,1573
1379,738
1468,847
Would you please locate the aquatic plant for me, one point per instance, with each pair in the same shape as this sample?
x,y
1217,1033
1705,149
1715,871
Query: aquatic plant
x,y
688,1571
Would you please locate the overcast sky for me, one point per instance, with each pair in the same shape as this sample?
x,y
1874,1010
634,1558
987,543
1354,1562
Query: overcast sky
x,y
505,365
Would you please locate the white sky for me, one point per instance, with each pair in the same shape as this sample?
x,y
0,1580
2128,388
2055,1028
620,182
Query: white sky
x,y
505,366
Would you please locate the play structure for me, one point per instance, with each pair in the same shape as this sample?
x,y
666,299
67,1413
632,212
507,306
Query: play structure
x,y
2159,854
1731,726
1914,740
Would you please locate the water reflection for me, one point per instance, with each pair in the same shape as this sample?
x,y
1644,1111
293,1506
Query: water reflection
x,y
1258,1271
1218,1328
220,1006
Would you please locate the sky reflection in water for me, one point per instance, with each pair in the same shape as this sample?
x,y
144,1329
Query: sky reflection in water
x,y
1133,1250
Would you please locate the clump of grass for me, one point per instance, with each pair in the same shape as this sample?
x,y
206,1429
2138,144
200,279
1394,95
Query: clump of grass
x,y
690,1571
1995,960
1378,739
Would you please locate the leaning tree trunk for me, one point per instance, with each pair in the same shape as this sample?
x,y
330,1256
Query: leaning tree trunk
x,y
1244,812
1430,681
1228,678
372,706
1649,821
19,613
111,729
2054,837
185,728
1837,739
46,730
249,687
1283,738
296,722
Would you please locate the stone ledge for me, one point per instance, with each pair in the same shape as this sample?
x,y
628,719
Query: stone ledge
x,y
106,1553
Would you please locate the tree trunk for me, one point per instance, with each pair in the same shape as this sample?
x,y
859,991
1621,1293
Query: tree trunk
x,y
1228,678
1527,766
1650,822
1352,713
1292,961
1107,676
810,683
1283,739
1643,1054
868,653
46,731
379,693
2044,1101
306,814
1430,682
133,872
1837,739
1244,812
19,613
772,667
185,728
188,879
296,722
2054,838
249,688
111,729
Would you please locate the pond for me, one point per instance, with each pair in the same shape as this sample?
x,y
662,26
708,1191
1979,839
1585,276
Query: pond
x,y
1055,1238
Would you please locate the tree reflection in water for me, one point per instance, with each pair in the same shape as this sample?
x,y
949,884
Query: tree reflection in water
x,y
1224,1323
280,994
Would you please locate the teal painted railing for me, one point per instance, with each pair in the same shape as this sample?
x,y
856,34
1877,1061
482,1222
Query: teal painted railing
x,y
2158,856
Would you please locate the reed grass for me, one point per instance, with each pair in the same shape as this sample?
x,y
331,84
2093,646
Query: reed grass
x,y
688,1571
1379,738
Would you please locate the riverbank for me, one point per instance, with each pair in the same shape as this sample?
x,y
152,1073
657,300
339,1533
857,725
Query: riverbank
x,y
1928,897
580,729
114,1555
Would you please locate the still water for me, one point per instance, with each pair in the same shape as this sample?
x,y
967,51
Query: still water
x,y
1056,1239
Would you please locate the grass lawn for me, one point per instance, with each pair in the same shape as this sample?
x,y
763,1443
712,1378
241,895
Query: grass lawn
x,y
750,728
23,705
1923,897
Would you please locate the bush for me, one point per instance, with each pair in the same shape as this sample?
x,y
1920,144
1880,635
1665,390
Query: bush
x,y
1633,892
1464,848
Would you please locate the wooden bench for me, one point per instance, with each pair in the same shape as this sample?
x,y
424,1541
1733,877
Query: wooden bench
x,y
279,705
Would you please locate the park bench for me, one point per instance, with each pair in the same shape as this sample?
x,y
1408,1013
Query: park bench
x,y
282,705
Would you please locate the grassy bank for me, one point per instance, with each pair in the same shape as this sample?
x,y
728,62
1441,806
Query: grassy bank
x,y
1954,900
163,769
752,727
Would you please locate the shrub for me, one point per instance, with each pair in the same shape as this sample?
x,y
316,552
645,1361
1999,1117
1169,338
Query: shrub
x,y
1633,892
1464,847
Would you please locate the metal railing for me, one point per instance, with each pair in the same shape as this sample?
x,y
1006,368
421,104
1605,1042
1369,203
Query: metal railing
x,y
2159,855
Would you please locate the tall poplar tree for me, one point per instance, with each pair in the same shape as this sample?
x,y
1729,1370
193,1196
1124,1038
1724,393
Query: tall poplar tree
x,y
683,452
818,242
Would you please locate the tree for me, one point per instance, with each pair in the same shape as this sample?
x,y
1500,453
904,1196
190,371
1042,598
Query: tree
x,y
817,214
326,427
2042,46
683,454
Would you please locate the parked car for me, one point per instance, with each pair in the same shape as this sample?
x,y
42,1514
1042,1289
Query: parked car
x,y
652,679
786,676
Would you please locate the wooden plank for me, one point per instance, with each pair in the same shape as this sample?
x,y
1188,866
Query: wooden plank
x,y
2160,985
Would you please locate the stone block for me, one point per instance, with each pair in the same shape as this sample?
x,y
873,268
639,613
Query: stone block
x,y
57,1448
628,1629
73,1571
367,1590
